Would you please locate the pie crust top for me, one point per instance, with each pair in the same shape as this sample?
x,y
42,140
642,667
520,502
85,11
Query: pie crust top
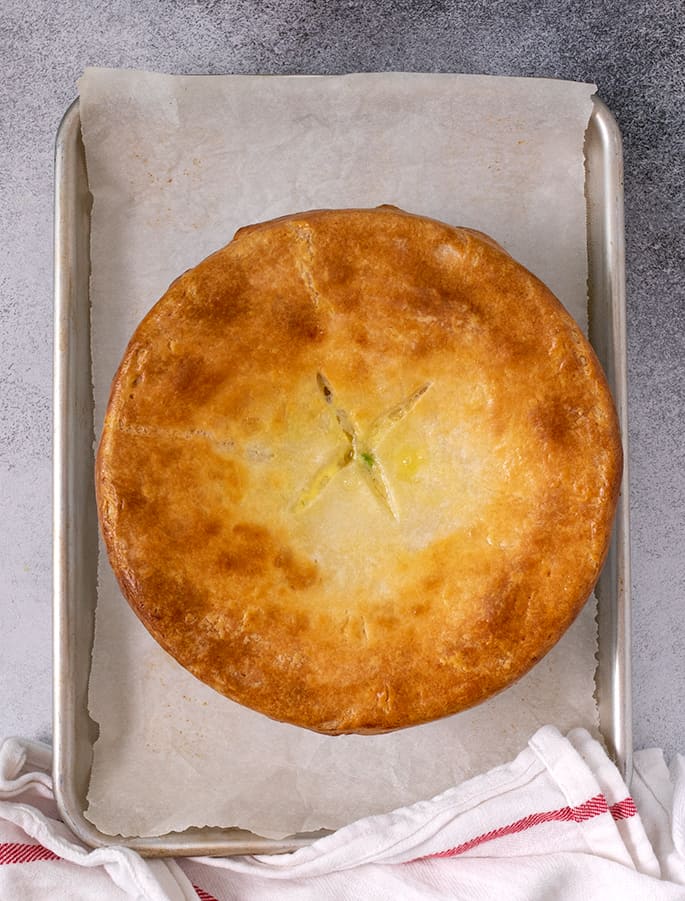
x,y
358,469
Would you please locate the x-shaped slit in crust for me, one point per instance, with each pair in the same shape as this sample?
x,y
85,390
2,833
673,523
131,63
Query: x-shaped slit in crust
x,y
361,448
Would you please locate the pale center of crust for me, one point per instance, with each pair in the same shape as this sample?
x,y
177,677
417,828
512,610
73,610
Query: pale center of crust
x,y
361,448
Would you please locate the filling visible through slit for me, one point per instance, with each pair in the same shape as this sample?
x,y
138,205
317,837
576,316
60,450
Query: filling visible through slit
x,y
361,448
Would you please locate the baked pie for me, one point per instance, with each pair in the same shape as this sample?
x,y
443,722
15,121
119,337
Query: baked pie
x,y
358,469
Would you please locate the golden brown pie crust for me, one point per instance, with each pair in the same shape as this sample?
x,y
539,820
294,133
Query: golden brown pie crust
x,y
358,469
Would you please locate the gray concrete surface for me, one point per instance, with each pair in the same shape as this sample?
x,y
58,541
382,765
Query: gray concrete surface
x,y
633,51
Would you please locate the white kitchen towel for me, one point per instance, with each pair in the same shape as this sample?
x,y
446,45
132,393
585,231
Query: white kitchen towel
x,y
557,822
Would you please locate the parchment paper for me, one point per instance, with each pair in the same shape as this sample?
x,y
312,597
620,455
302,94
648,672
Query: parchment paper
x,y
175,166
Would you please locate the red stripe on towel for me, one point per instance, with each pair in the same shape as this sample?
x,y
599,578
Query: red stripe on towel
x,y
594,807
202,894
20,852
624,810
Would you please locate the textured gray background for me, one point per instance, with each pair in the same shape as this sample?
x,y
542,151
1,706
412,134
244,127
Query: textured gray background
x,y
632,50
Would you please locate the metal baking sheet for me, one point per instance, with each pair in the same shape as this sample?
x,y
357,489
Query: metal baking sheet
x,y
75,518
